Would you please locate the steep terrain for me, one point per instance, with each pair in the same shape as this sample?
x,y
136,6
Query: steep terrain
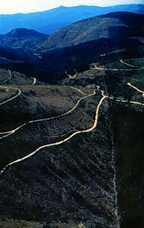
x,y
71,153
92,38
107,26
73,182
31,119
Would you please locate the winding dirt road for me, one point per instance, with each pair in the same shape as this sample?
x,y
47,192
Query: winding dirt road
x,y
13,97
127,64
71,76
61,141
94,126
34,81
13,131
135,88
132,67
78,90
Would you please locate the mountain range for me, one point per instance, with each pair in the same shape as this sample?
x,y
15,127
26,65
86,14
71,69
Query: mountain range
x,y
71,122
73,47
53,20
116,26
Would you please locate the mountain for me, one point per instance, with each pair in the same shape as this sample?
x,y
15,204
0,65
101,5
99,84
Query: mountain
x,y
53,20
115,26
82,43
22,38
71,154
118,25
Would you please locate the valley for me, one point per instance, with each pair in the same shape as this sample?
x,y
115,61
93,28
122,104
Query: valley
x,y
71,118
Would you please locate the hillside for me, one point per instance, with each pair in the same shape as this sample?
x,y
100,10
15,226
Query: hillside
x,y
53,20
82,43
116,26
70,156
71,121
22,38
92,38
62,184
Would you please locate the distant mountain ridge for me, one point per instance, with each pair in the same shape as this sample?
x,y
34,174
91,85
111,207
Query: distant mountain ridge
x,y
53,20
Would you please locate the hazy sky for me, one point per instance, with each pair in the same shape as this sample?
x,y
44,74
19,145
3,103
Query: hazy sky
x,y
14,6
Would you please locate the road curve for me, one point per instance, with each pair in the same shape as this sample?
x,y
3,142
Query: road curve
x,y
136,103
78,90
10,74
12,98
11,132
66,113
135,88
71,76
132,67
61,141
6,134
127,64
9,78
34,81
126,101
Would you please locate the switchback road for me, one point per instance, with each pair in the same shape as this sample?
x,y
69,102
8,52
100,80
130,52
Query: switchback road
x,y
11,132
61,141
13,97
